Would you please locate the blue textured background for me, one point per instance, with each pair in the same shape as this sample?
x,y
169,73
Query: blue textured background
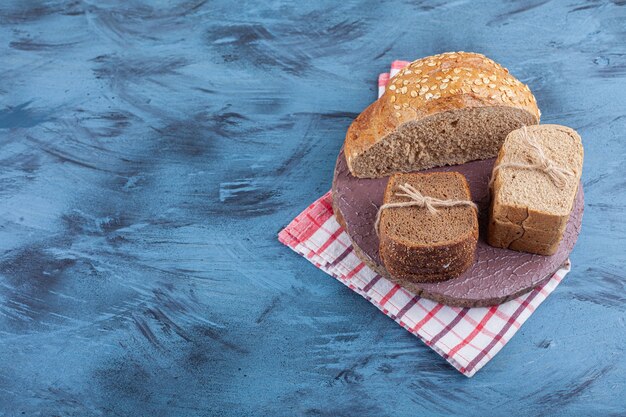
x,y
151,151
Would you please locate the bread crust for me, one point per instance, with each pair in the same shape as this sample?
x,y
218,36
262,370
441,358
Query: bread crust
x,y
424,263
435,84
524,239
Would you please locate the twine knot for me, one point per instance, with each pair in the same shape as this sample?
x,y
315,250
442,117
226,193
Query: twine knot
x,y
417,199
539,162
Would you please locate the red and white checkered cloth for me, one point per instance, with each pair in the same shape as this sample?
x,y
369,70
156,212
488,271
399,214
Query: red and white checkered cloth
x,y
468,338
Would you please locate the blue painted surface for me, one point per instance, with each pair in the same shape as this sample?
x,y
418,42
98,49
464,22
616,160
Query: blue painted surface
x,y
151,151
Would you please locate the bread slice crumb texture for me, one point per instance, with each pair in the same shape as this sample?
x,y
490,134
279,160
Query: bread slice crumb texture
x,y
533,189
416,225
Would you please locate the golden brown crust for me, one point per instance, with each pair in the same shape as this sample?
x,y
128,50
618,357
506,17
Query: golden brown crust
x,y
515,237
435,84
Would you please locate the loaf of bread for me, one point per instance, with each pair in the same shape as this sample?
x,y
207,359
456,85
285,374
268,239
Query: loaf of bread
x,y
531,205
419,245
440,110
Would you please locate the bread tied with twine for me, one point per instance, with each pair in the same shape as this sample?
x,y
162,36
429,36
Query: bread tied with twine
x,y
417,199
539,162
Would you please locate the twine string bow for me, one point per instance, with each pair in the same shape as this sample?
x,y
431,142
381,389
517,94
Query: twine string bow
x,y
539,162
417,199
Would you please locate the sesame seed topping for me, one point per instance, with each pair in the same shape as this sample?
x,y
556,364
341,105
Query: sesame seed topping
x,y
450,74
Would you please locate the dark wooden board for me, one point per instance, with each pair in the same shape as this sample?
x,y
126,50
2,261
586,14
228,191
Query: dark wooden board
x,y
497,274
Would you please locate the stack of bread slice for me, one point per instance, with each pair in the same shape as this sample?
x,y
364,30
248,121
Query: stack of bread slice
x,y
529,207
418,245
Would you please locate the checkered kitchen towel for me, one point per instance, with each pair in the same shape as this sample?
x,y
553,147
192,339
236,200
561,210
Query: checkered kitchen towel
x,y
468,338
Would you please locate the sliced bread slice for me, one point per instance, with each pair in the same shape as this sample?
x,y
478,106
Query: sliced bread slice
x,y
530,208
418,245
